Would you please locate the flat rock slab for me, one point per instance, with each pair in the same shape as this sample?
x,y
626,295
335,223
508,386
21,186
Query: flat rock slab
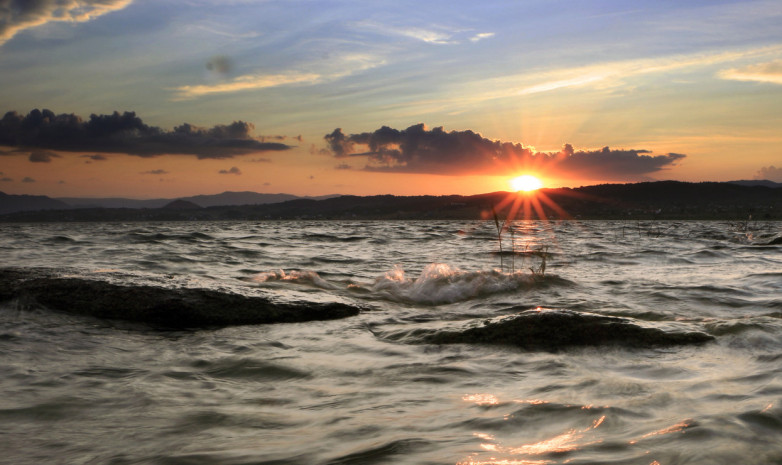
x,y
553,330
159,306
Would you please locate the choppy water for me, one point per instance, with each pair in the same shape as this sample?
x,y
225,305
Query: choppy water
x,y
77,389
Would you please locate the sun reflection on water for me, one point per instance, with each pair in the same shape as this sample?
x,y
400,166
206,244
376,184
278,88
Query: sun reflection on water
x,y
527,454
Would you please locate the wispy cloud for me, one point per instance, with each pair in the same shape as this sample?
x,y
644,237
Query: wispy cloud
x,y
433,34
430,35
601,75
481,36
610,73
332,69
770,72
246,82
16,16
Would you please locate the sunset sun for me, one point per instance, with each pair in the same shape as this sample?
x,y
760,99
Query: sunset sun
x,y
526,183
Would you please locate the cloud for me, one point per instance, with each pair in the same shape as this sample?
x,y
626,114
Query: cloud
x,y
246,82
42,156
16,16
435,151
96,157
4,179
28,179
329,69
154,172
35,156
233,170
127,133
770,173
770,72
601,75
481,36
432,34
343,166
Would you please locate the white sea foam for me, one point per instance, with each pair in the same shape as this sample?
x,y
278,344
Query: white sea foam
x,y
300,277
440,283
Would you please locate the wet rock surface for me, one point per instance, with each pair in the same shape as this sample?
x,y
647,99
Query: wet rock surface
x,y
553,330
158,306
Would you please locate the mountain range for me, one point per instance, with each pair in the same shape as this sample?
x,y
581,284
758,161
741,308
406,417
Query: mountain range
x,y
737,201
20,203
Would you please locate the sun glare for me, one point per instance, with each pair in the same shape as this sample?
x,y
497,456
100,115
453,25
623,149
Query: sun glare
x,y
526,183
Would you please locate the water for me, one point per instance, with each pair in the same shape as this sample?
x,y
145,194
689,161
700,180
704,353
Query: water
x,y
361,390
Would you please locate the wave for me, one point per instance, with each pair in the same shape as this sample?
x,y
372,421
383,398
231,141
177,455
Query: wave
x,y
438,283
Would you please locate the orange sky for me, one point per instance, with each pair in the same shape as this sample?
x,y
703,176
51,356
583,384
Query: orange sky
x,y
458,98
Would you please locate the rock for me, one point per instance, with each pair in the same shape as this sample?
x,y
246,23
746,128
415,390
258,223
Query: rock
x,y
159,306
555,330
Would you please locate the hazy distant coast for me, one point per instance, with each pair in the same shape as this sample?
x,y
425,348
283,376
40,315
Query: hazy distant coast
x,y
651,200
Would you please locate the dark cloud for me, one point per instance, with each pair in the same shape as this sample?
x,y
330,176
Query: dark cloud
x,y
154,172
18,15
219,64
233,170
127,133
6,179
261,160
28,179
42,156
96,157
770,173
418,149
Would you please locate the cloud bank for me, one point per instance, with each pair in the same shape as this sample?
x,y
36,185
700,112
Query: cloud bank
x,y
418,149
18,15
770,173
126,133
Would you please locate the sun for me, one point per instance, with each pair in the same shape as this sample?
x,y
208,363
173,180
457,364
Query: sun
x,y
526,183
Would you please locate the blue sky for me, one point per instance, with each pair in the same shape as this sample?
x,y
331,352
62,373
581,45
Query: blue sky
x,y
646,79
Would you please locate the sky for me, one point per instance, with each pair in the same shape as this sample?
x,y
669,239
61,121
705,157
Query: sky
x,y
150,99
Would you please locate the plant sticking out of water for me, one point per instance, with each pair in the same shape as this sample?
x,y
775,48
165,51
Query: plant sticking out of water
x,y
499,234
540,252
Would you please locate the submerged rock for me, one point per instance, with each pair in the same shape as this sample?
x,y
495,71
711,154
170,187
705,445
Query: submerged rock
x,y
554,330
160,306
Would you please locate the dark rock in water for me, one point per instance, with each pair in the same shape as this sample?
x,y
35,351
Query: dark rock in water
x,y
159,306
554,330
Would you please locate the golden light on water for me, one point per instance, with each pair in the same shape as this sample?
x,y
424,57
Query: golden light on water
x,y
526,183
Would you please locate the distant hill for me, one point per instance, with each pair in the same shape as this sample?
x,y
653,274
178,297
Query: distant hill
x,y
671,200
180,204
764,183
113,202
215,200
238,198
19,203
